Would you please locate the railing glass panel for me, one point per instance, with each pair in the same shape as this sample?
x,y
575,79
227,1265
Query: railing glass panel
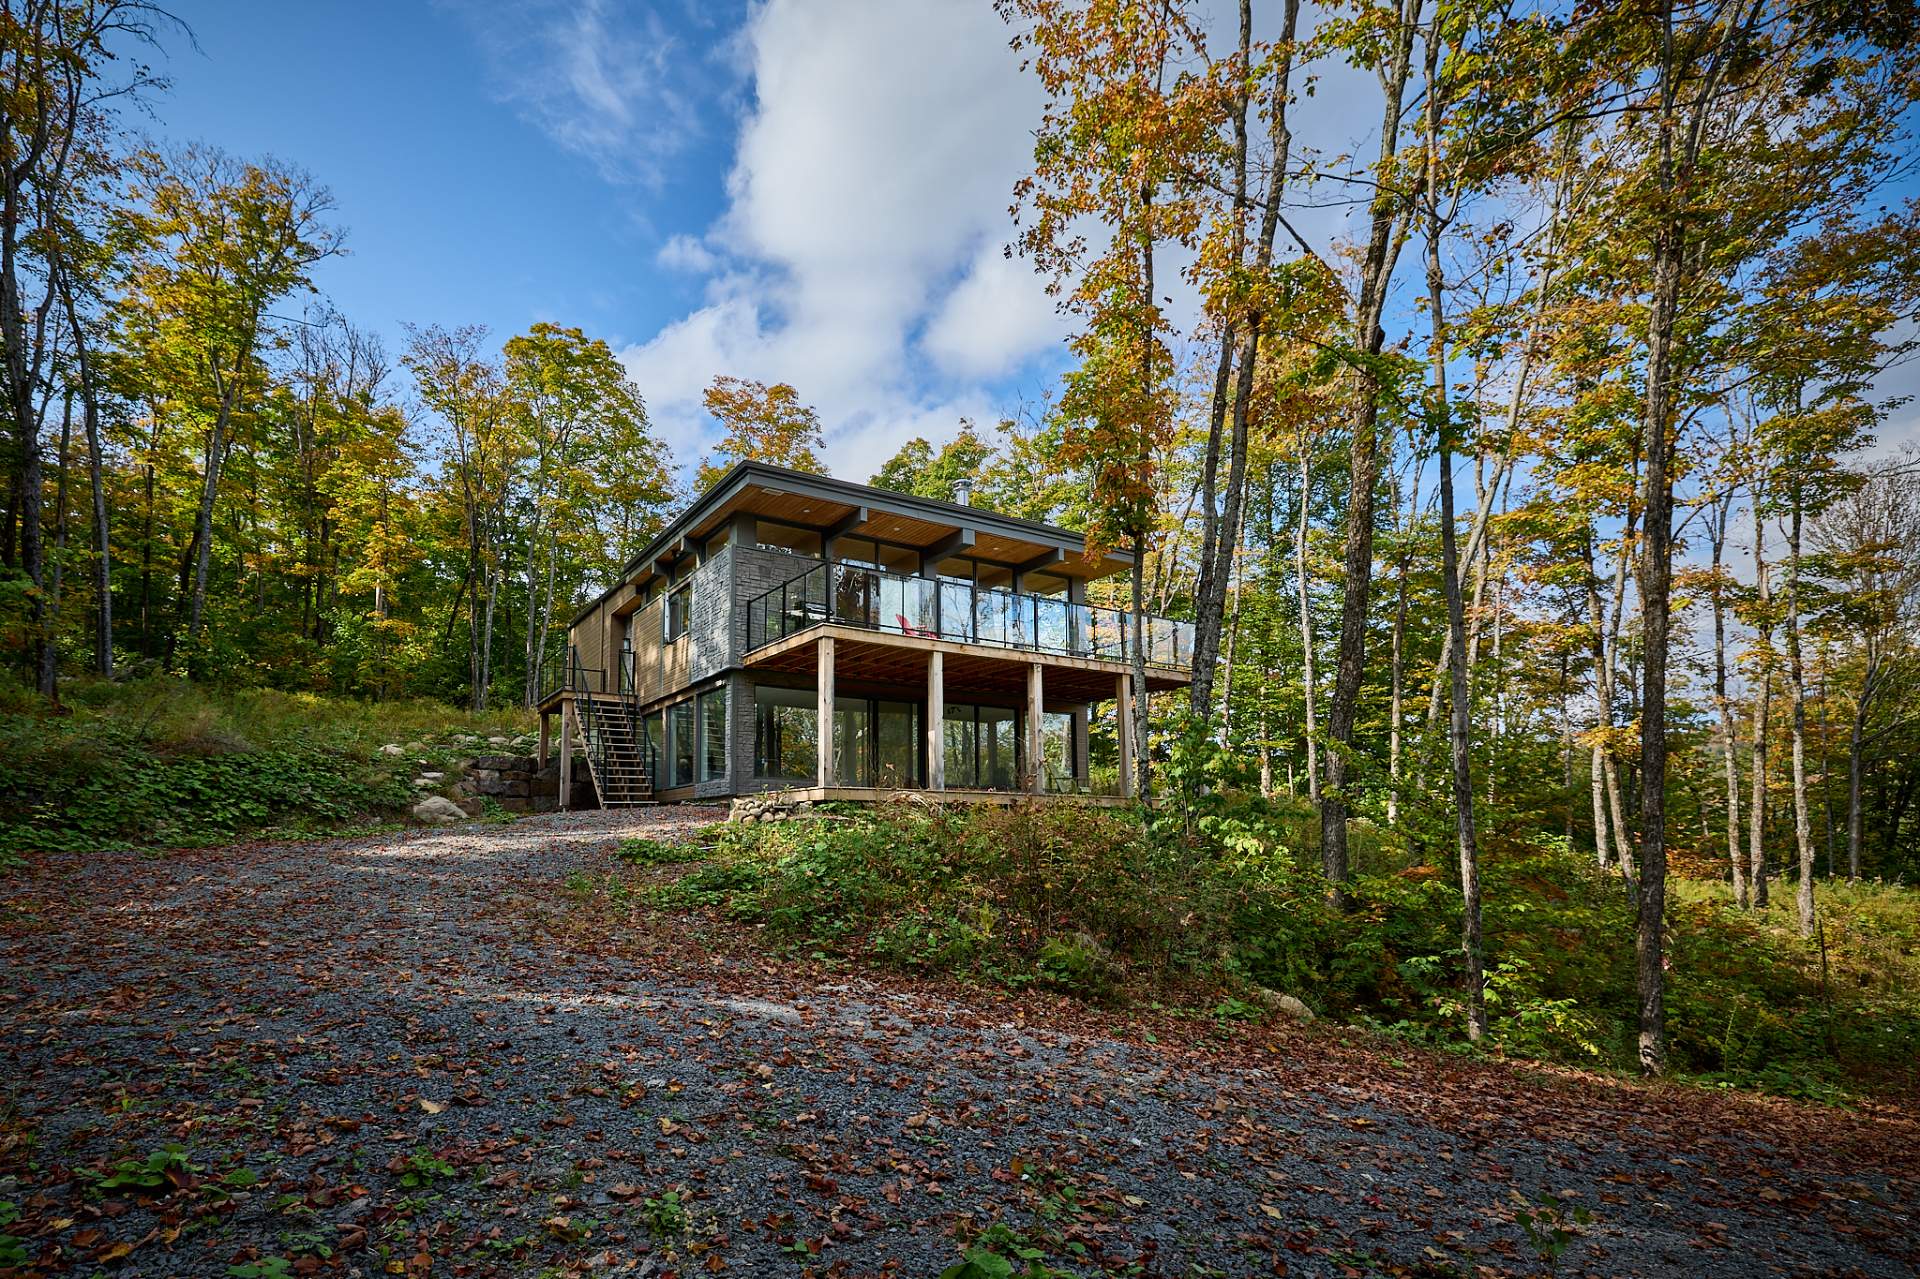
x,y
955,611
959,611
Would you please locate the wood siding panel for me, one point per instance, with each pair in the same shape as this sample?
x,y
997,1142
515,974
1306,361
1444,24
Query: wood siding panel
x,y
649,658
589,641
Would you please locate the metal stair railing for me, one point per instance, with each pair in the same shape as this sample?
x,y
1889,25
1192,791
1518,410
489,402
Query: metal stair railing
x,y
606,724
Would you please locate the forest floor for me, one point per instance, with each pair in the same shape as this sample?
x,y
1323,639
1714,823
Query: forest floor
x,y
393,1055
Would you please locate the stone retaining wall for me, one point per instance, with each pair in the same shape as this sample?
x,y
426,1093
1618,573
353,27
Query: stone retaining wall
x,y
518,784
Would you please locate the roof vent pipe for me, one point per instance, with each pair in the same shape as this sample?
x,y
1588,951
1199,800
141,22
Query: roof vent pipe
x,y
963,492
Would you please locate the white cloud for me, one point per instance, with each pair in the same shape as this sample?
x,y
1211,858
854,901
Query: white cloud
x,y
860,253
685,253
867,206
999,315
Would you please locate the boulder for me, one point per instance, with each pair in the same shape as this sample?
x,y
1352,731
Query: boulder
x,y
394,749
433,777
437,810
772,807
1275,1002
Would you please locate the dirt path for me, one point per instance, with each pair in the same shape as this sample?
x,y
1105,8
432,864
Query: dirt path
x,y
373,1058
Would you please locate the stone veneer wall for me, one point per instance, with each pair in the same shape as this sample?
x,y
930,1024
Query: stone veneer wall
x,y
755,573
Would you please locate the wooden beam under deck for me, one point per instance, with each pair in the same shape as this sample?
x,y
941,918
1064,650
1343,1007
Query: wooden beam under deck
x,y
875,795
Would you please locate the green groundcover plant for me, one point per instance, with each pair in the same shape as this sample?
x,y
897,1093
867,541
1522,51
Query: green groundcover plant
x,y
164,763
1219,906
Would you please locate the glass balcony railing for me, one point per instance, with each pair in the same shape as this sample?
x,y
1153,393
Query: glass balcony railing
x,y
848,595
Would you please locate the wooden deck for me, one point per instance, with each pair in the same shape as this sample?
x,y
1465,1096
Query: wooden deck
x,y
877,795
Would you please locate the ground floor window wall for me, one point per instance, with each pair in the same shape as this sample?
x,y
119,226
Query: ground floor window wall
x,y
688,740
878,742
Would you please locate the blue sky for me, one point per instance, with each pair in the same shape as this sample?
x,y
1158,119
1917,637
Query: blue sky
x,y
813,191
782,192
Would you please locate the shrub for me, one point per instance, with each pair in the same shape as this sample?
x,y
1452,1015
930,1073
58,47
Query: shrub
x,y
1200,907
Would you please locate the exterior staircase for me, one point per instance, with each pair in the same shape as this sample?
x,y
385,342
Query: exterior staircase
x,y
618,760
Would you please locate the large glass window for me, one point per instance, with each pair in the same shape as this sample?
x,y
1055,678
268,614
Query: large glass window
x,y
785,733
713,735
852,742
680,742
787,539
999,767
861,552
960,734
896,744
1056,745
982,746
679,611
654,727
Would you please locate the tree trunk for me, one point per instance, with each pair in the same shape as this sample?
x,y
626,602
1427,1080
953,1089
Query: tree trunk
x,y
1397,712
1138,654
1607,800
1797,686
484,681
50,646
1602,850
1219,540
1461,742
1728,730
1856,742
1238,574
1440,415
1266,750
209,490
1307,680
103,552
1386,234
1757,807
1656,576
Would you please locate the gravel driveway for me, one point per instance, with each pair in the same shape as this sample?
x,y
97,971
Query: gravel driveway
x,y
379,1056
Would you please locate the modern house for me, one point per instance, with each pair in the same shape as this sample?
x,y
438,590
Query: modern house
x,y
944,648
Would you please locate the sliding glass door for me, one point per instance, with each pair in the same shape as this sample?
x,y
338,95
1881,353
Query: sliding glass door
x,y
982,746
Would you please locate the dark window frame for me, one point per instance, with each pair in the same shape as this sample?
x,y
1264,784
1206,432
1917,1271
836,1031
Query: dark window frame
x,y
676,732
703,716
677,615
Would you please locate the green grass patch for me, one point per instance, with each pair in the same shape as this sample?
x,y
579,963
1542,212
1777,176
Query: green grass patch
x,y
165,763
651,852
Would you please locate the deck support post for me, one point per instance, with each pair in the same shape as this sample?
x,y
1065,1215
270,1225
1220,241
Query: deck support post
x,y
1036,755
1077,750
936,721
546,737
566,754
1123,729
824,766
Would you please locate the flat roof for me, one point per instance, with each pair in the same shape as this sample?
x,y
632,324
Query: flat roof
x,y
821,502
